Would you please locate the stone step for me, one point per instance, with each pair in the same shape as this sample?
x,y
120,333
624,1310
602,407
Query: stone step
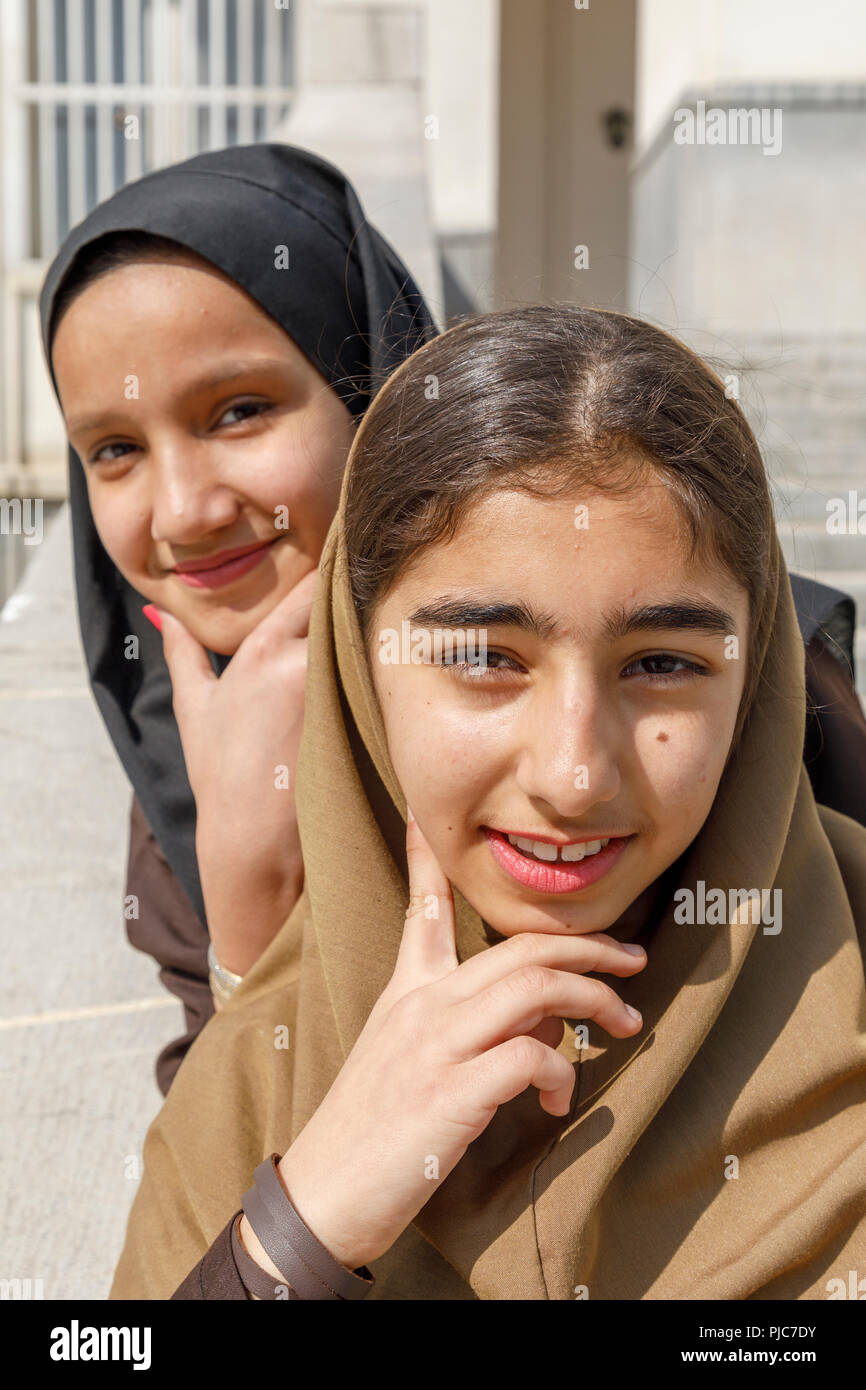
x,y
799,499
796,425
809,546
805,369
838,352
821,390
811,457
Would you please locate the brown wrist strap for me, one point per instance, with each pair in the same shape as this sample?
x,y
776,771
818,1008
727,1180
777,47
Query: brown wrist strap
x,y
255,1279
307,1266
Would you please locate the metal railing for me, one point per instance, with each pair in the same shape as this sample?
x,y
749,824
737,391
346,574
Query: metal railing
x,y
95,93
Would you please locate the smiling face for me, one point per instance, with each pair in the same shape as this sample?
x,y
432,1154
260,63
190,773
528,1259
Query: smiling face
x,y
213,449
605,710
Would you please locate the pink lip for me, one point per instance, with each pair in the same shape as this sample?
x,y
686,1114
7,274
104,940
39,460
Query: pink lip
x,y
221,569
556,877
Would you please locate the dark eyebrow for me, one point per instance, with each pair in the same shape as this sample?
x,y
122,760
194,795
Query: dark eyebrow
x,y
680,614
659,617
473,613
221,376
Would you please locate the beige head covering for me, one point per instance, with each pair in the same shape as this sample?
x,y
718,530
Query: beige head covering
x,y
721,1153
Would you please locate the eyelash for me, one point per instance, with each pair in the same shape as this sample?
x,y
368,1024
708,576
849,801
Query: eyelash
x,y
461,670
257,408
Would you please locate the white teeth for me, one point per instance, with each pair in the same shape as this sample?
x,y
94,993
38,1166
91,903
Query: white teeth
x,y
570,853
540,849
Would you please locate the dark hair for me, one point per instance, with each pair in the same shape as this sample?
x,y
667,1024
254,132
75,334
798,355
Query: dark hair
x,y
550,399
110,252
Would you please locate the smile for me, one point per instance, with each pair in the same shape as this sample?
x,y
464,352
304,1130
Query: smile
x,y
555,867
215,571
543,849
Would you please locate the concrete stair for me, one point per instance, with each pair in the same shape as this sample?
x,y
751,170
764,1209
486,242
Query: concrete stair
x,y
806,402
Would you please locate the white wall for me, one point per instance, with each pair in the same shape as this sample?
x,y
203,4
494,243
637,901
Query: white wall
x,y
461,88
702,43
459,60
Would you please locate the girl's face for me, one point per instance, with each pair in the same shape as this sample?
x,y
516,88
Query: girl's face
x,y
213,449
604,712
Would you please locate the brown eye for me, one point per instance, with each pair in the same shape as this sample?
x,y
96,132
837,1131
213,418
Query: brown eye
x,y
102,457
243,410
479,670
664,667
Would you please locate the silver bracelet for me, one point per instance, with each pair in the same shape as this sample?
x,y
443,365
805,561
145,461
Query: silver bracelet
x,y
223,982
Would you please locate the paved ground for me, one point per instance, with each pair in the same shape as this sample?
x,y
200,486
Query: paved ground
x,y
82,1015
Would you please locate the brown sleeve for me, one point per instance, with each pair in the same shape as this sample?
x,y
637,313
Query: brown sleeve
x,y
216,1275
168,929
835,749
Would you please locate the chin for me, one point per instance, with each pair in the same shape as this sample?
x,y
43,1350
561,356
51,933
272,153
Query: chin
x,y
221,647
224,638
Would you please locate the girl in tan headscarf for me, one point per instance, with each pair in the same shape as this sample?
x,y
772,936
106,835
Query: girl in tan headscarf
x,y
553,616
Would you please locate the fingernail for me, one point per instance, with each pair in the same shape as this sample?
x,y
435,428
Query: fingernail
x,y
409,815
633,1012
633,949
153,615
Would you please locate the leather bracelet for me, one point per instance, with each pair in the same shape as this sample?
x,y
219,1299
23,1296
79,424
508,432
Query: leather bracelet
x,y
255,1279
307,1266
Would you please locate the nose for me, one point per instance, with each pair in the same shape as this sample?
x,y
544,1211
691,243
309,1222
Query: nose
x,y
570,754
189,498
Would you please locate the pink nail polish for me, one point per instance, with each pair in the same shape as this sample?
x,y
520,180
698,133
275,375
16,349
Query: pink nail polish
x,y
153,615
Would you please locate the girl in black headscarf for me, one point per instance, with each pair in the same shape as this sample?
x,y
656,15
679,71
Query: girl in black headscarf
x,y
243,282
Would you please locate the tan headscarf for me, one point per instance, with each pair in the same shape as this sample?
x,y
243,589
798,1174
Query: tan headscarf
x,y
720,1153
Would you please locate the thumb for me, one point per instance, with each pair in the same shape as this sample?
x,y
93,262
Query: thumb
x,y
428,948
187,660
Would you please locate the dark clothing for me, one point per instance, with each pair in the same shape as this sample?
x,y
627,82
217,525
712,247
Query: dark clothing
x,y
169,929
216,1275
835,749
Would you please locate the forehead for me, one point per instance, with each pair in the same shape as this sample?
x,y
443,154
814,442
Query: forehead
x,y
568,551
185,291
178,315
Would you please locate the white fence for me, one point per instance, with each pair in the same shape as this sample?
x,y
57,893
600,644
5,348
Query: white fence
x,y
93,94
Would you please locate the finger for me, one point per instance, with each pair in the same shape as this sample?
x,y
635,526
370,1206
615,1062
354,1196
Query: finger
x,y
594,951
503,1072
187,660
549,1031
517,1004
428,948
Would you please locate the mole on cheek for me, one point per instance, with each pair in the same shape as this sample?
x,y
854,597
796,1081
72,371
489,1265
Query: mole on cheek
x,y
662,737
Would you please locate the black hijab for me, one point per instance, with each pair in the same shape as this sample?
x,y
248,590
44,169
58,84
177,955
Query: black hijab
x,y
346,300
